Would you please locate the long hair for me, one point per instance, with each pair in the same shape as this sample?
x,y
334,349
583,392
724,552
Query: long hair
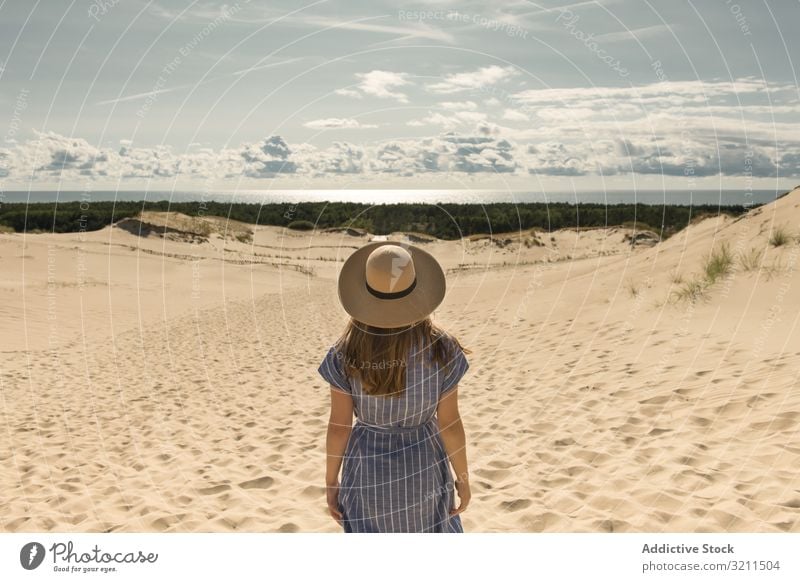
x,y
378,356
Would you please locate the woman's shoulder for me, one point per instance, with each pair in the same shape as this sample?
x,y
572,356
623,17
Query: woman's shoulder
x,y
449,340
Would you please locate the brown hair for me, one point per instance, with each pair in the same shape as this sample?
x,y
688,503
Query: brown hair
x,y
378,355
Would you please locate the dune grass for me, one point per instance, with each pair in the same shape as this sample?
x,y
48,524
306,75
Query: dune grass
x,y
750,260
675,276
691,291
780,236
632,287
717,264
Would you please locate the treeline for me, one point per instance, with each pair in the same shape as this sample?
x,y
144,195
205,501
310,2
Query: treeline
x,y
447,221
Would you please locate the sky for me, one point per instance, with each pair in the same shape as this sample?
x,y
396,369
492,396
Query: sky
x,y
519,95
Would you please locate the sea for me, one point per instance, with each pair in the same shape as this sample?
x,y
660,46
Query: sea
x,y
650,197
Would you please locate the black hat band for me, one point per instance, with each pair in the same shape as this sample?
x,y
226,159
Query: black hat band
x,y
395,295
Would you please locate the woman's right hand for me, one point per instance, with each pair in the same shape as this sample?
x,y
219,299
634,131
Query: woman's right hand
x,y
333,502
464,495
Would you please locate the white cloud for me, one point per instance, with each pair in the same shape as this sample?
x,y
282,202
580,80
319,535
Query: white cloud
x,y
378,84
449,120
656,94
458,105
513,115
565,113
408,29
473,80
738,128
341,158
348,93
337,123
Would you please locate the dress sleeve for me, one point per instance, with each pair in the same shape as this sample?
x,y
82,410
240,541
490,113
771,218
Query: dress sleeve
x,y
457,366
332,370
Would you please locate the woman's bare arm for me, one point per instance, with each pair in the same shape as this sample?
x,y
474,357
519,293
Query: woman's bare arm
x,y
452,431
340,424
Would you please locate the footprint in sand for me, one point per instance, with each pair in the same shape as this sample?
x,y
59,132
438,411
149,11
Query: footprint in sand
x,y
213,490
313,492
515,504
260,483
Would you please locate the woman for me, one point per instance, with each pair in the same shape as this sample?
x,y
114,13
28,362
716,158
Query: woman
x,y
399,373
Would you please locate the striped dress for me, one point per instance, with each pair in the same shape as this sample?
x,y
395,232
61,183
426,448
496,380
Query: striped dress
x,y
395,473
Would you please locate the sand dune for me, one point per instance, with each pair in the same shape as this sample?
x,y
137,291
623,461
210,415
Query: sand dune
x,y
168,383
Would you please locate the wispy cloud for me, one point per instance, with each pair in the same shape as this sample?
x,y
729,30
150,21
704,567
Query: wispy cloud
x,y
473,79
449,120
567,7
337,123
513,115
634,34
459,105
415,30
155,92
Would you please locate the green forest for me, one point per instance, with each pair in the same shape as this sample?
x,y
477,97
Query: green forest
x,y
447,221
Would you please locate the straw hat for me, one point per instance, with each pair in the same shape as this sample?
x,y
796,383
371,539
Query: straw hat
x,y
387,284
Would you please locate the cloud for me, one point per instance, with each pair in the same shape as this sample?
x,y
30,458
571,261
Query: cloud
x,y
348,93
341,158
156,92
458,105
268,158
56,153
513,115
407,30
473,80
555,159
470,153
5,163
337,123
666,93
378,83
450,120
479,153
561,114
634,34
407,158
740,128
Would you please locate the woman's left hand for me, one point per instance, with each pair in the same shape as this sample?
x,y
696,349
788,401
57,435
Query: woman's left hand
x,y
333,502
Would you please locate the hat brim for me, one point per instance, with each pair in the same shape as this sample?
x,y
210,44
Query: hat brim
x,y
385,313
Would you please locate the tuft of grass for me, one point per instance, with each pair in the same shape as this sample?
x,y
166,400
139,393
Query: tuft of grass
x,y
750,260
718,264
659,303
772,270
244,237
533,242
691,291
780,236
633,288
676,277
6,229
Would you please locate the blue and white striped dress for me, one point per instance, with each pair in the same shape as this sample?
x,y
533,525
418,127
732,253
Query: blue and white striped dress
x,y
395,473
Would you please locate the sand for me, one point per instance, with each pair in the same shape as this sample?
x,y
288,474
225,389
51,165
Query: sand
x,y
168,383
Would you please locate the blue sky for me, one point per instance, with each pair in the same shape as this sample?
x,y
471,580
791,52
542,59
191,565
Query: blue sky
x,y
133,94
